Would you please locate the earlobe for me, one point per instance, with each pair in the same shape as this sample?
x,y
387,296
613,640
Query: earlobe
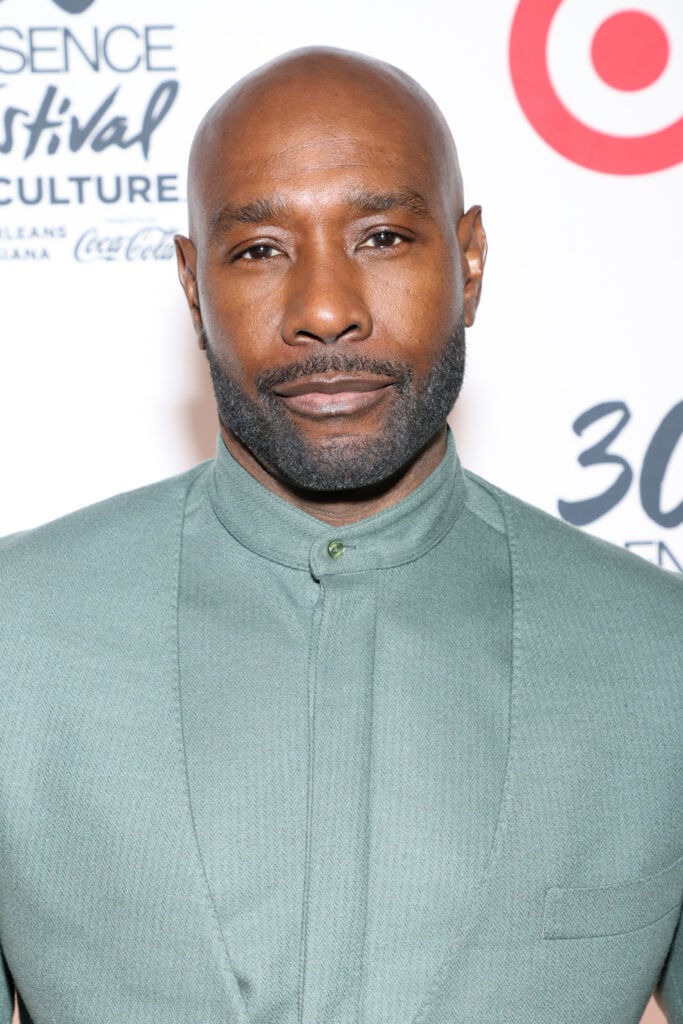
x,y
473,249
186,256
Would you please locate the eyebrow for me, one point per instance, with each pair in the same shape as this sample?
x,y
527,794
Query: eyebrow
x,y
269,210
400,199
258,212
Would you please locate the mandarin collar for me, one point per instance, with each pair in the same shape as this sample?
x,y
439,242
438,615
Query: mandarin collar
x,y
279,531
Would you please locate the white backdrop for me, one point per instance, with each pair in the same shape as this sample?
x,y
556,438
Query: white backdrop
x,y
101,388
570,131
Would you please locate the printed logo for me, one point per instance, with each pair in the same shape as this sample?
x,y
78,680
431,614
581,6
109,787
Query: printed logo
x,y
74,6
655,466
627,58
82,106
150,243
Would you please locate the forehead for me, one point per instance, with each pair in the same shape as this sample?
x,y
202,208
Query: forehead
x,y
333,146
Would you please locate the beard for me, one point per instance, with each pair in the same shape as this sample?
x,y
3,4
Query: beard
x,y
417,413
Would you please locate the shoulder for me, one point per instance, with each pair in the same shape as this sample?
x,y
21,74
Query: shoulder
x,y
558,543
123,534
572,569
597,641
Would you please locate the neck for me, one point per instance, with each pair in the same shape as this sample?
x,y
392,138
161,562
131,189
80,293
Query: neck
x,y
340,508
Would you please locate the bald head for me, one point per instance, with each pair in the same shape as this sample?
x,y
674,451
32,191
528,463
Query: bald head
x,y
330,273
321,93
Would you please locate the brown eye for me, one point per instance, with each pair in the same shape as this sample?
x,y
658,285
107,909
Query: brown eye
x,y
382,240
258,252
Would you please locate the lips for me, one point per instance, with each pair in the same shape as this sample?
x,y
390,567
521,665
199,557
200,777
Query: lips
x,y
338,395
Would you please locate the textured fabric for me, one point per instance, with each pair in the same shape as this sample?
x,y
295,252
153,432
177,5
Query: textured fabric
x,y
435,779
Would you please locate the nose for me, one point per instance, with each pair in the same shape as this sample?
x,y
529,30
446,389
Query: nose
x,y
324,303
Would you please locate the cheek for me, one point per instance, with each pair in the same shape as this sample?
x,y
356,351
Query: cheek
x,y
419,311
240,328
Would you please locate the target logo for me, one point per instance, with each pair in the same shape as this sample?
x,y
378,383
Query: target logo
x,y
603,85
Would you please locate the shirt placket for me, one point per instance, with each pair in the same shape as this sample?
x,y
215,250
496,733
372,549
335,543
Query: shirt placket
x,y
340,748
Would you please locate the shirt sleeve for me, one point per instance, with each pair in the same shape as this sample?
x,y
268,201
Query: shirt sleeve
x,y
670,988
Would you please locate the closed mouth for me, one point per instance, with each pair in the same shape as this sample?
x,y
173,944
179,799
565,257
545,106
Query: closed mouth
x,y
338,395
332,385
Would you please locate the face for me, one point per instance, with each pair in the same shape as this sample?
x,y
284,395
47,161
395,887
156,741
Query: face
x,y
330,281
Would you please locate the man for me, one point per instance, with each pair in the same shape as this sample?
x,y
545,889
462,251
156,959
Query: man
x,y
327,730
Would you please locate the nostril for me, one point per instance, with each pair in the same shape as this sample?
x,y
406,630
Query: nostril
x,y
351,329
327,339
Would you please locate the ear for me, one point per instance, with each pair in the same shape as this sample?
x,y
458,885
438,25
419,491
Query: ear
x,y
473,248
186,255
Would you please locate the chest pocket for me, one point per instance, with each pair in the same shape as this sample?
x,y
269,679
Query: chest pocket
x,y
612,909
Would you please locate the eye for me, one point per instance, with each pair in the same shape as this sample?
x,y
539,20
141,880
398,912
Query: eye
x,y
382,240
260,251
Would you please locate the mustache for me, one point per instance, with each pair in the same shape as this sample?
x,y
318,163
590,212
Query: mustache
x,y
335,362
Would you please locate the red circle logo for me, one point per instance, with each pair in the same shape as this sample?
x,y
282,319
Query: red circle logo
x,y
629,51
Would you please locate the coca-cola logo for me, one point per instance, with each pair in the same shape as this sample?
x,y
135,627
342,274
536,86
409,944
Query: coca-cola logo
x,y
143,245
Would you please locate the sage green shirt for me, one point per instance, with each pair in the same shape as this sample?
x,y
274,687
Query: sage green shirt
x,y
424,769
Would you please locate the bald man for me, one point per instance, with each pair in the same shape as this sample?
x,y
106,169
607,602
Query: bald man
x,y
328,730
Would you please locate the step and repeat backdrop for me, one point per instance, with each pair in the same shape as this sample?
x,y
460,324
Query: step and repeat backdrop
x,y
569,119
568,116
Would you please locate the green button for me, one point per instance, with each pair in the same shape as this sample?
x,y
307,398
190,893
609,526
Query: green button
x,y
335,549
